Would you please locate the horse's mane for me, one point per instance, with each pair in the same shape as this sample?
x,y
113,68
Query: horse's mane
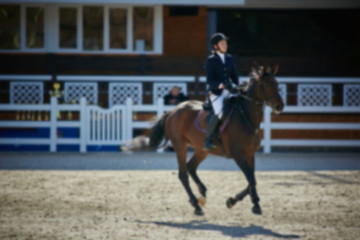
x,y
254,77
246,85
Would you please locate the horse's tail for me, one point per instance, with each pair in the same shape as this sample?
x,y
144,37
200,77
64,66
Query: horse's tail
x,y
142,143
157,133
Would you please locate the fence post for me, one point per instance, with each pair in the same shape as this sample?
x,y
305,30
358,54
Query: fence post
x,y
197,86
160,111
160,107
83,125
267,130
53,123
128,117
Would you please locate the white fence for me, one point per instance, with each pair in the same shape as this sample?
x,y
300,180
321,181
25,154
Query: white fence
x,y
97,126
267,126
115,126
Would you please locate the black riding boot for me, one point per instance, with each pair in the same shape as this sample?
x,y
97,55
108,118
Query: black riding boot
x,y
213,123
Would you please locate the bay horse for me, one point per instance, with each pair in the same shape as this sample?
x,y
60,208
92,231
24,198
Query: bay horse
x,y
240,139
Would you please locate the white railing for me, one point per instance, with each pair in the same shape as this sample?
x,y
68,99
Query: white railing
x,y
132,124
52,124
304,79
97,126
124,78
115,126
105,127
267,142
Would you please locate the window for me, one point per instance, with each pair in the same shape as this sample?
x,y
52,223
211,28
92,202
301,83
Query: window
x,y
118,28
9,27
143,31
112,28
93,28
68,28
34,27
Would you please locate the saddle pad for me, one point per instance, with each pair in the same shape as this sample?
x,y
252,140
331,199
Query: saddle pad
x,y
204,115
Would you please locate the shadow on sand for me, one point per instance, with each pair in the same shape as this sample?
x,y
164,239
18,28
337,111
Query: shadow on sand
x,y
235,231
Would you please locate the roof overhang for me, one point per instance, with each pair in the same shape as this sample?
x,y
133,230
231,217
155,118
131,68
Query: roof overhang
x,y
210,3
287,4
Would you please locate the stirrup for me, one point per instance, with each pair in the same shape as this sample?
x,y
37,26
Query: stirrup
x,y
209,145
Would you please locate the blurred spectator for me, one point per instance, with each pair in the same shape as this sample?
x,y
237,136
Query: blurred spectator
x,y
175,97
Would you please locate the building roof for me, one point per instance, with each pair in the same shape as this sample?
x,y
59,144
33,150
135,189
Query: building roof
x,y
142,2
213,3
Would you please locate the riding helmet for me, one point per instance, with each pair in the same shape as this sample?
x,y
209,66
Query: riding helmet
x,y
217,37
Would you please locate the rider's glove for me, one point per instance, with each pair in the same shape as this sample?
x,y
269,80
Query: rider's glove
x,y
230,87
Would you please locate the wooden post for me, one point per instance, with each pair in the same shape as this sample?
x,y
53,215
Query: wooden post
x,y
267,130
53,124
160,111
160,107
83,125
128,116
197,87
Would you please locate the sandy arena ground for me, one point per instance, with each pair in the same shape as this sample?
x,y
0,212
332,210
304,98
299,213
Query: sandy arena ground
x,y
153,205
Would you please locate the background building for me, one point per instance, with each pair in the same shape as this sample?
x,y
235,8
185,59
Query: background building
x,y
95,44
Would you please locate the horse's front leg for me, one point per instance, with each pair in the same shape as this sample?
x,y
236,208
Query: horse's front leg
x,y
249,173
239,197
255,200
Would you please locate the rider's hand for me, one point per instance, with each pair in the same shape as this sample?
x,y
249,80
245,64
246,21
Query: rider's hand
x,y
228,86
234,90
231,88
221,86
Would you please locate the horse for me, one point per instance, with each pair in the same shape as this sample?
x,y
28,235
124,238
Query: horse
x,y
239,140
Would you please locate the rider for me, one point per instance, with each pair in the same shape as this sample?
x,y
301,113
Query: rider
x,y
220,68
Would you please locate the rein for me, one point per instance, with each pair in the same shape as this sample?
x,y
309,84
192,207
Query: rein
x,y
257,102
250,99
252,129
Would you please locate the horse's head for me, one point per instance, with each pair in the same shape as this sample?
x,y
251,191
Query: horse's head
x,y
268,89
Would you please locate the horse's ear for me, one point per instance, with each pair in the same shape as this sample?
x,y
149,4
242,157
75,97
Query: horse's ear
x,y
253,72
265,69
260,70
275,69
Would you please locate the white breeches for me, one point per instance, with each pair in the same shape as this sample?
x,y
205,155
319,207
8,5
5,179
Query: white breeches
x,y
218,102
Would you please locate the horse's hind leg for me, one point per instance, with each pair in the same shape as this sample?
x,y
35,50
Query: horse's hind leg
x,y
192,165
183,176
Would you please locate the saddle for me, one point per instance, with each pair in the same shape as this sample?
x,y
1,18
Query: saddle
x,y
207,106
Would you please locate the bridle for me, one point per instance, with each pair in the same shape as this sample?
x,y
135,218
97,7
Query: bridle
x,y
267,99
262,91
257,102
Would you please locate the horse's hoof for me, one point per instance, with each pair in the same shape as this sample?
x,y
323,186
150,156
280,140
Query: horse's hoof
x,y
199,212
201,201
257,210
230,202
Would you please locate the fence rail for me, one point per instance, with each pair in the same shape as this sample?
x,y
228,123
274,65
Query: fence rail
x,y
115,126
314,126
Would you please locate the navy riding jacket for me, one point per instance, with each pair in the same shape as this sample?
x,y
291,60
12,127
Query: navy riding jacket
x,y
217,72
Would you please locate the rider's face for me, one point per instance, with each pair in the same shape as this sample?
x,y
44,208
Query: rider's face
x,y
222,46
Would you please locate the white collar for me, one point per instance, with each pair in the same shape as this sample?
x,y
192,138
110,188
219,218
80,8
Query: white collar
x,y
222,56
